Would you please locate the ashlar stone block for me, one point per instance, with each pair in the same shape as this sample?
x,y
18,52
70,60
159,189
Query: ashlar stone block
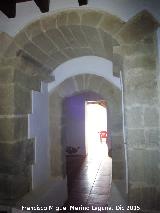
x,y
80,82
141,94
118,171
107,44
143,196
36,52
137,27
111,24
152,136
70,52
14,99
56,36
73,18
21,39
13,187
139,77
91,18
49,22
82,51
72,41
62,19
13,129
34,29
95,83
143,166
16,157
79,35
9,74
134,117
151,117
135,137
140,61
44,43
135,48
67,88
5,42
93,40
58,57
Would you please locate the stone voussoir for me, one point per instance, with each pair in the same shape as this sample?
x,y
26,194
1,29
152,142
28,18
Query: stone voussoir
x,y
49,23
111,24
61,19
79,35
33,29
74,18
31,49
67,88
6,40
91,18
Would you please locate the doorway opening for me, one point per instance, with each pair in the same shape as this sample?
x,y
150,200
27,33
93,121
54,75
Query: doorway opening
x,y
89,168
96,134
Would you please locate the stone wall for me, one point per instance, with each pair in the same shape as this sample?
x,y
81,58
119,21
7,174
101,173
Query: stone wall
x,y
76,85
30,58
18,76
139,52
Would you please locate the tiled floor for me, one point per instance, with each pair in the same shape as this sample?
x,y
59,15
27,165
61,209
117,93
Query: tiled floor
x,y
89,181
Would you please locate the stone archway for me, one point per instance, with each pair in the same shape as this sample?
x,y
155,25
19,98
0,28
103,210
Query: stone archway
x,y
31,56
110,93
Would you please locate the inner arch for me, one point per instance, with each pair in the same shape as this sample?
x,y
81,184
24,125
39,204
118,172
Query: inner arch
x,y
85,64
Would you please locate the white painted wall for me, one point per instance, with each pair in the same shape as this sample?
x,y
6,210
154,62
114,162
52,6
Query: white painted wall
x,y
82,65
38,128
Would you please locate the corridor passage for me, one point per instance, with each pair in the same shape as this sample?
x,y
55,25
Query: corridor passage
x,y
89,180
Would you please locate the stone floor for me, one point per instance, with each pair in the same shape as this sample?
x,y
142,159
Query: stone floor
x,y
89,182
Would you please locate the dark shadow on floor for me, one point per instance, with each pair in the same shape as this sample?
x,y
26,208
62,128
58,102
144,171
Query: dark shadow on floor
x,y
89,183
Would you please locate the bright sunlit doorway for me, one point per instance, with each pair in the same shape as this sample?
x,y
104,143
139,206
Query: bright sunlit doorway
x,y
95,122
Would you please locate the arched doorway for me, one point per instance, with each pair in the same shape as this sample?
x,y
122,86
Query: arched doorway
x,y
48,42
97,85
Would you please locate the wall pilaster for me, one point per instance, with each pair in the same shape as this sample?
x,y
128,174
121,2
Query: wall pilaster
x,y
138,48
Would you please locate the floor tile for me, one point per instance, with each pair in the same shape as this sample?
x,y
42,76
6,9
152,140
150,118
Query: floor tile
x,y
89,181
